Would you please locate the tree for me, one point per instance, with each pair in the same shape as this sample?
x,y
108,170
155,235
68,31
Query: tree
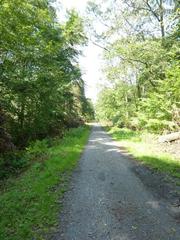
x,y
39,68
140,50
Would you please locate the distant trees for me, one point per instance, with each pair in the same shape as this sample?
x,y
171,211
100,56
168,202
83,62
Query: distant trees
x,y
39,70
142,64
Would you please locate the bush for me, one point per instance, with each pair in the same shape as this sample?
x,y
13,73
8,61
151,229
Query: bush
x,y
15,161
38,150
12,162
38,147
158,126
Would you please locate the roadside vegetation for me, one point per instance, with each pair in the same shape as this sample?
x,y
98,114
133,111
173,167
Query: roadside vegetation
x,y
30,203
41,86
43,110
141,92
141,65
143,147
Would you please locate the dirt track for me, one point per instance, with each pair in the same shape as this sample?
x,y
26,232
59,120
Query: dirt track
x,y
109,201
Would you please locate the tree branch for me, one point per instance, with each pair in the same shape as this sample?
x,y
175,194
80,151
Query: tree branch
x,y
151,10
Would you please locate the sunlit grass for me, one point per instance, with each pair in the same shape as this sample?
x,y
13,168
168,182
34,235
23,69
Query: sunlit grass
x,y
144,151
29,205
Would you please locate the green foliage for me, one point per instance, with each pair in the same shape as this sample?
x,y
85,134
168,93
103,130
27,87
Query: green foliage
x,y
123,133
141,63
41,89
12,163
37,148
156,125
30,204
88,110
39,69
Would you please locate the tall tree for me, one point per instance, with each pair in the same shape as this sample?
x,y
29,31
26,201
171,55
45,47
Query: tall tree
x,y
39,67
140,50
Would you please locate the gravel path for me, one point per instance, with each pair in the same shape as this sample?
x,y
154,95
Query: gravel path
x,y
107,200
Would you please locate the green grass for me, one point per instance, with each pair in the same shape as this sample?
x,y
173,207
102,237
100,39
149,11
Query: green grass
x,y
141,147
29,204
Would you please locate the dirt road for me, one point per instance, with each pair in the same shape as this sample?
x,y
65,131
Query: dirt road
x,y
108,201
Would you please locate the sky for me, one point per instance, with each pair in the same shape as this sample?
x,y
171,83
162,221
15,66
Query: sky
x,y
91,61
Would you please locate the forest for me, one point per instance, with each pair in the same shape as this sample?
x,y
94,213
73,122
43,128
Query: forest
x,y
49,127
141,64
41,86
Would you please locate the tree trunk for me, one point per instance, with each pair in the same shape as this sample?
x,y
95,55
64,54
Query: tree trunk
x,y
162,18
6,143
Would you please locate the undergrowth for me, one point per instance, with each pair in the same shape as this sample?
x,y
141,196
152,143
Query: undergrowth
x,y
29,204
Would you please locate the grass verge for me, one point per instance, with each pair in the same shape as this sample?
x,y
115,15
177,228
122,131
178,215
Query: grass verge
x,y
143,150
29,204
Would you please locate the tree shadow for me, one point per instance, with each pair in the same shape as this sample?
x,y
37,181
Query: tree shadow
x,y
161,164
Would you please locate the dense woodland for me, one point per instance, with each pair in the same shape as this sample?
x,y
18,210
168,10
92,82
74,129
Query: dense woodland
x,y
141,63
41,88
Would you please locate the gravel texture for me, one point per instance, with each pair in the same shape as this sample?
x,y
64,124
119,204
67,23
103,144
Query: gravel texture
x,y
108,199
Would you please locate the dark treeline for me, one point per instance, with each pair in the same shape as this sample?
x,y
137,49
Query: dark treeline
x,y
41,89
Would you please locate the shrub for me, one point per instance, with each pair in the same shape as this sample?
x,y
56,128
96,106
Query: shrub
x,y
158,126
12,162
